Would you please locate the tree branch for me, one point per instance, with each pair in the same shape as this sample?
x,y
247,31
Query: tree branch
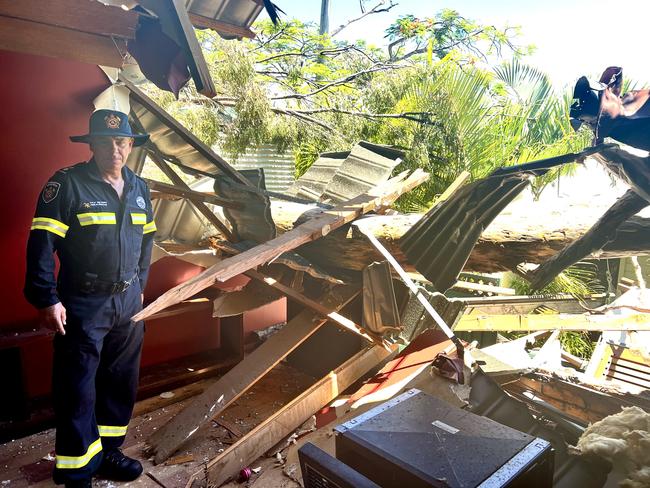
x,y
374,10
420,117
340,81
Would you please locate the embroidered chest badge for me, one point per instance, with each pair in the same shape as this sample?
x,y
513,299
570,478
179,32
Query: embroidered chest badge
x,y
140,202
50,191
112,121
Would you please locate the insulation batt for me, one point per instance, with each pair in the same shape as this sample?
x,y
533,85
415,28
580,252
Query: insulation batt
x,y
624,440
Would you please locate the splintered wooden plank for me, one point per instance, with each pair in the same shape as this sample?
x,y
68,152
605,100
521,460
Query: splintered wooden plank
x,y
338,319
288,418
244,375
535,322
311,230
200,206
185,192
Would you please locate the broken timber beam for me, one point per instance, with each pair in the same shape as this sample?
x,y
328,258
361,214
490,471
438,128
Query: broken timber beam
x,y
587,403
317,307
200,206
523,304
288,418
311,230
566,322
244,375
189,194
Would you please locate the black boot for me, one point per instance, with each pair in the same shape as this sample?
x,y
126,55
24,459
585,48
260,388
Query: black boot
x,y
83,483
78,483
118,467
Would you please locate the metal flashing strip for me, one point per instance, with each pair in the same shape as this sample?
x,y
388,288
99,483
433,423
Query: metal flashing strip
x,y
516,465
364,417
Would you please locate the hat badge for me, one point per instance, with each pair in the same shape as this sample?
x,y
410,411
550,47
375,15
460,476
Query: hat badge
x,y
112,121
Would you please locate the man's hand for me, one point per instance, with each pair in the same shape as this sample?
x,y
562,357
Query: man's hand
x,y
53,317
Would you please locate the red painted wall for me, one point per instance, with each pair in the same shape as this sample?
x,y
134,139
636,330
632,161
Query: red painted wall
x,y
42,102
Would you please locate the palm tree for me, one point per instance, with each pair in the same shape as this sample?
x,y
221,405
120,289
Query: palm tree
x,y
483,120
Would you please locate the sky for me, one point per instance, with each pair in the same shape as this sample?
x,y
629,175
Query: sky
x,y
572,37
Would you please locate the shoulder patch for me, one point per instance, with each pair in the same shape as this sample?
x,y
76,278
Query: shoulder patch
x,y
50,191
140,202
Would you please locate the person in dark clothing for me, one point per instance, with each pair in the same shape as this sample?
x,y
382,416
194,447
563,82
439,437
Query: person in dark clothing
x,y
97,217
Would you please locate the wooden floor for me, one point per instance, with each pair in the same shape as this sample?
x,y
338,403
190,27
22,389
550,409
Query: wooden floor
x,y
29,461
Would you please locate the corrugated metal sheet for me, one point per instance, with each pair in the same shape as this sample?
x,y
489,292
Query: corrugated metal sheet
x,y
237,12
336,177
366,166
253,221
312,183
440,243
167,141
279,168
178,221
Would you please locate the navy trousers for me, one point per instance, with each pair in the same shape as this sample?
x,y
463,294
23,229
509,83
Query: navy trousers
x,y
95,378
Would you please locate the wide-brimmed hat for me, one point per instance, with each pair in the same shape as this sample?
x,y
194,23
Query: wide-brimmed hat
x,y
110,123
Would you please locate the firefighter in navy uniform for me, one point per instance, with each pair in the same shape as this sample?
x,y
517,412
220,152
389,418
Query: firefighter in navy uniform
x,y
97,217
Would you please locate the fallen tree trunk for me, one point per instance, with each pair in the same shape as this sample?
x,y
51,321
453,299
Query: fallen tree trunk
x,y
596,238
507,242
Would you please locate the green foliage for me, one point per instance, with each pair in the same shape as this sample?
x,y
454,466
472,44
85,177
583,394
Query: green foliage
x,y
449,32
579,280
308,93
578,343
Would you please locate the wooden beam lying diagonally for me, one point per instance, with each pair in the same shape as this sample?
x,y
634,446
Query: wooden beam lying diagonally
x,y
178,181
304,300
311,230
189,194
244,375
288,418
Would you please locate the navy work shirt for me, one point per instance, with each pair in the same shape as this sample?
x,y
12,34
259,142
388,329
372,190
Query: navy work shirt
x,y
96,235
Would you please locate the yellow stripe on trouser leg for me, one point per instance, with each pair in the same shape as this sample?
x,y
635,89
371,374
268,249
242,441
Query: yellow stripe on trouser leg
x,y
111,430
50,225
76,462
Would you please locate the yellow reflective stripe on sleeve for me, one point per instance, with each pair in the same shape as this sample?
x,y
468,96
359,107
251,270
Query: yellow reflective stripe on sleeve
x,y
111,430
96,218
75,462
50,225
138,218
150,227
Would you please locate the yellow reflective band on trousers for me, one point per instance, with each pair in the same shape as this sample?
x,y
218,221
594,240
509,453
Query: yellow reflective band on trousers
x,y
76,462
138,218
50,225
96,218
111,430
150,227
